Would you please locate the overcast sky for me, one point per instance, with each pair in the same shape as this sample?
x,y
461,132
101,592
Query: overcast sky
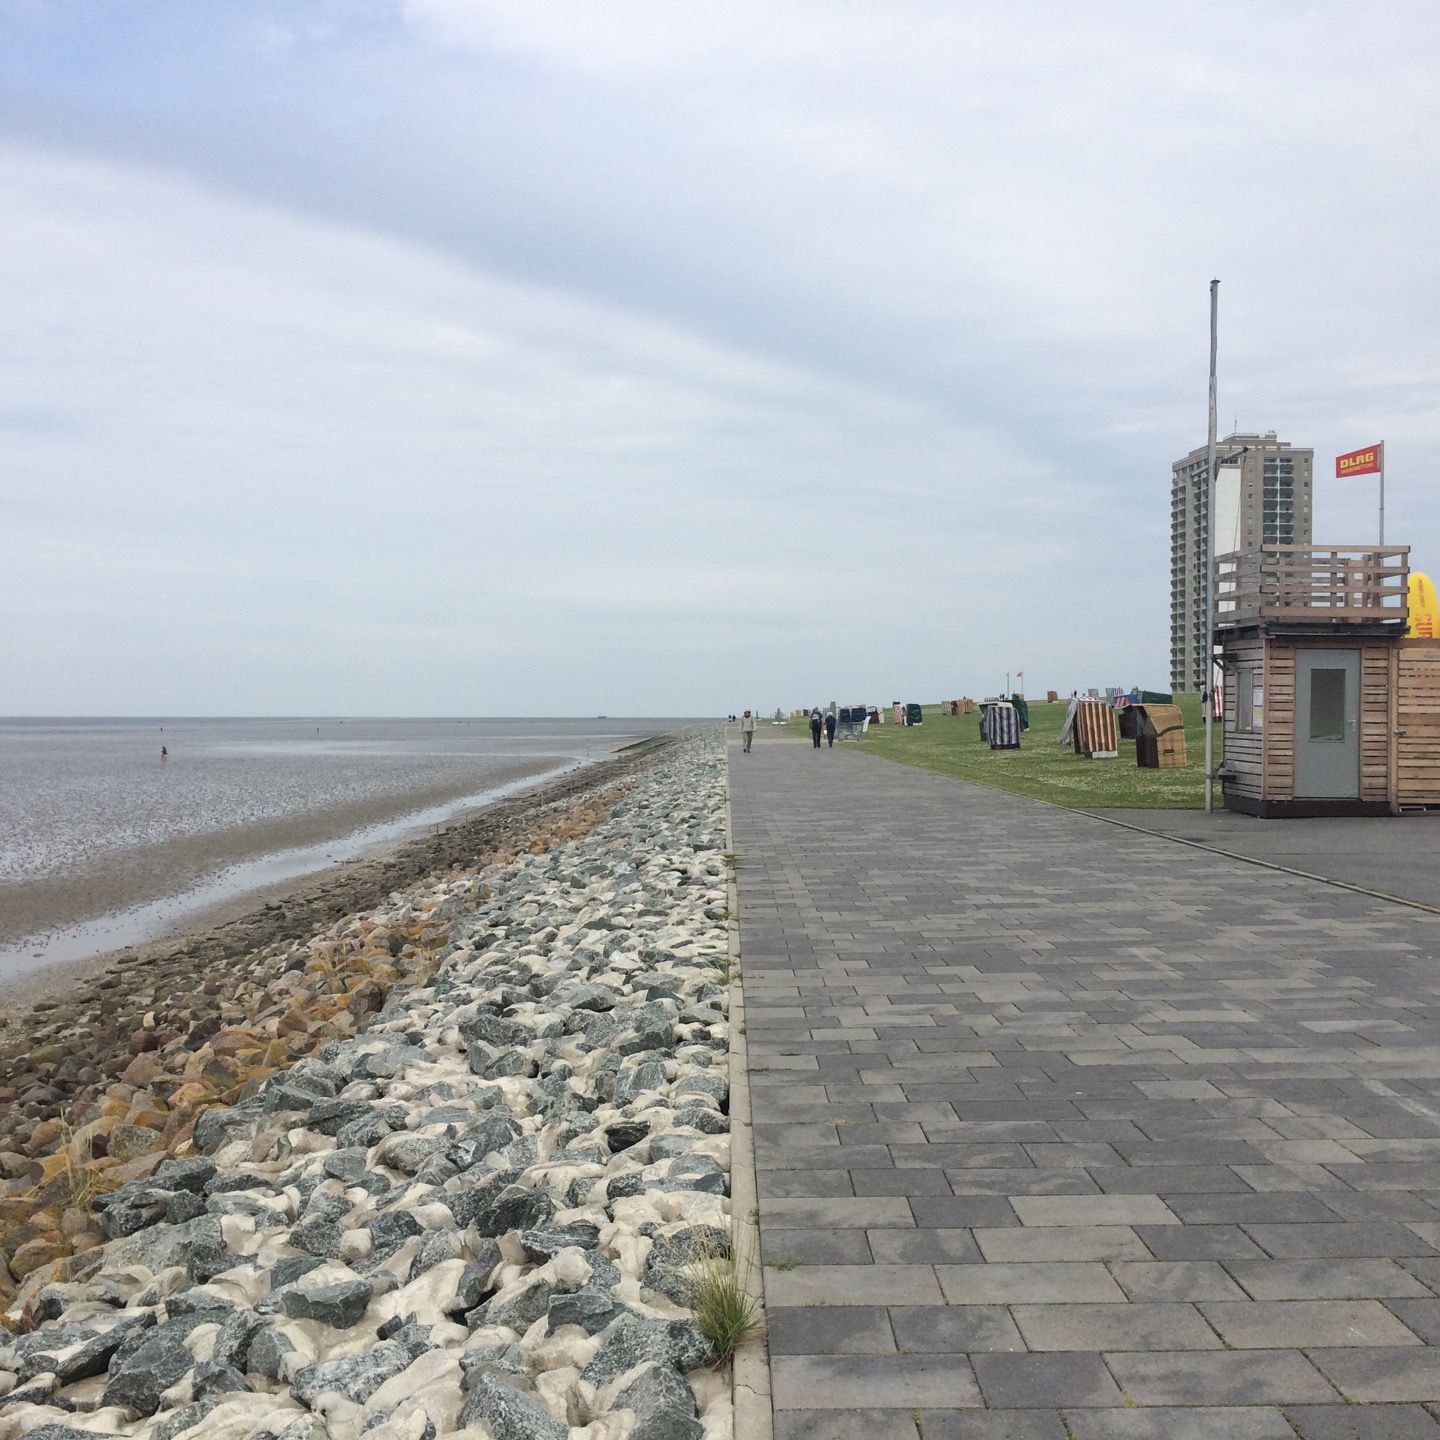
x,y
456,357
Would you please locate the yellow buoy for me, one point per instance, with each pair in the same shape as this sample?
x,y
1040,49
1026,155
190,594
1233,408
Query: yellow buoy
x,y
1424,622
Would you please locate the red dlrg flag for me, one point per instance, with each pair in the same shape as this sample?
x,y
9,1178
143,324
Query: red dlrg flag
x,y
1369,461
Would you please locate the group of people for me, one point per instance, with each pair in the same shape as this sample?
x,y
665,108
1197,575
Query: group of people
x,y
822,722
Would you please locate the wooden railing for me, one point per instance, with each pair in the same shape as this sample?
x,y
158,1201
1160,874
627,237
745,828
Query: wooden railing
x,y
1313,583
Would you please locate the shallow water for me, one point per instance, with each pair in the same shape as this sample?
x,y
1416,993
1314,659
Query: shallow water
x,y
104,843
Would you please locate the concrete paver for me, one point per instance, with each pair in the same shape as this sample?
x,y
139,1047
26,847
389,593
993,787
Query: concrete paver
x,y
1061,1125
1200,1422
1391,859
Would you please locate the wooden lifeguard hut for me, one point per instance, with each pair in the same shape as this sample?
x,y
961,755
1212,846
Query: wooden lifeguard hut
x,y
1329,708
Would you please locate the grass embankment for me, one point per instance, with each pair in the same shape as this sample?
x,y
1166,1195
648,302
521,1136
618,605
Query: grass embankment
x,y
1041,768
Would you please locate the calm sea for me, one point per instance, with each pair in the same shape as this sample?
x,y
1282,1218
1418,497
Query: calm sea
x,y
103,842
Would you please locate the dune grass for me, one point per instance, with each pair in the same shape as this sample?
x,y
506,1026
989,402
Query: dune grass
x,y
1040,768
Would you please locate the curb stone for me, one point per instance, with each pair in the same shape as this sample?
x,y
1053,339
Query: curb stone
x,y
750,1375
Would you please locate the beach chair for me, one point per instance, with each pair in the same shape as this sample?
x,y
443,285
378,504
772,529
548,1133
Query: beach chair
x,y
1095,733
1160,738
1000,725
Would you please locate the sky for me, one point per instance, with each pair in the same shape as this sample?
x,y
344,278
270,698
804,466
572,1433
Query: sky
x,y
456,357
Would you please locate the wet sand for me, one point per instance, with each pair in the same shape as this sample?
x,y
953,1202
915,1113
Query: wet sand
x,y
235,923
147,892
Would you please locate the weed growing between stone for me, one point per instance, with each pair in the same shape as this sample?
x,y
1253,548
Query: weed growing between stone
x,y
724,1310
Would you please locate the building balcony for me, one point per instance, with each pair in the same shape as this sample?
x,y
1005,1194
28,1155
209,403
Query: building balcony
x,y
1313,585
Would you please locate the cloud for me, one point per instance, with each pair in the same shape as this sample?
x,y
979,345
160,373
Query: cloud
x,y
581,339
276,429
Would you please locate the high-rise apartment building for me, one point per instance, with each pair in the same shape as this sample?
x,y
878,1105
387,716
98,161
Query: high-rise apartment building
x,y
1262,497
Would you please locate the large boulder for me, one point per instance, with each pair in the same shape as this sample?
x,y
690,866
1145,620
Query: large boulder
x,y
147,1365
356,1377
508,1413
633,1338
340,1305
663,1404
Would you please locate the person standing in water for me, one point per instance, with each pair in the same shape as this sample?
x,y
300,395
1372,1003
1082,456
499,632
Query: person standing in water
x,y
164,753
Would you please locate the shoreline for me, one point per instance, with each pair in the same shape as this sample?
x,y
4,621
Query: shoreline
x,y
302,905
134,889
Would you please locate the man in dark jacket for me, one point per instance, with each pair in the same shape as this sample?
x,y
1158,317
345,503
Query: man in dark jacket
x,y
830,728
816,724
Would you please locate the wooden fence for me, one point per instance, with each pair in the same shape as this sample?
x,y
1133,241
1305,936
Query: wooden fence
x,y
1313,583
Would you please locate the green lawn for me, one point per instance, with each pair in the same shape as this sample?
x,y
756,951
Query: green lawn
x,y
1040,768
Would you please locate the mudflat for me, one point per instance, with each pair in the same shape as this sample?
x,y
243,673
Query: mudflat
x,y
96,886
68,1033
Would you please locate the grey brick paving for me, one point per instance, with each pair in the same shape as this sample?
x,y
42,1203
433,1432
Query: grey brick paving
x,y
1067,1382
1230,1422
955,1329
832,1330
813,1382
1060,1125
1363,1422
991,1425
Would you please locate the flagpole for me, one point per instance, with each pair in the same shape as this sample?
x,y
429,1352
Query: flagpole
x,y
1207,648
1382,494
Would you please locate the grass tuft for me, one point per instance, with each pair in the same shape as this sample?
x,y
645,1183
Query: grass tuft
x,y
83,1181
725,1312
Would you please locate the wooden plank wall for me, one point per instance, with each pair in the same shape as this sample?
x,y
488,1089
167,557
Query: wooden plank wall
x,y
1375,722
1279,720
1243,752
1418,720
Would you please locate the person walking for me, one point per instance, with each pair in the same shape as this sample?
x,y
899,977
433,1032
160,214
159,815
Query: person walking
x,y
816,725
830,728
747,731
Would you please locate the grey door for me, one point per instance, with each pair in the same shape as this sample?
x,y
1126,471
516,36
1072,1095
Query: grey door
x,y
1327,728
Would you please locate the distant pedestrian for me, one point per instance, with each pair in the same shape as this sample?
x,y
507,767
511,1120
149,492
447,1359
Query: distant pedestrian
x,y
747,731
816,725
164,753
830,728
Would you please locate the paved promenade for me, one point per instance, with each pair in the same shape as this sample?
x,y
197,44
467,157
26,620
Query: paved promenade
x,y
1066,1131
